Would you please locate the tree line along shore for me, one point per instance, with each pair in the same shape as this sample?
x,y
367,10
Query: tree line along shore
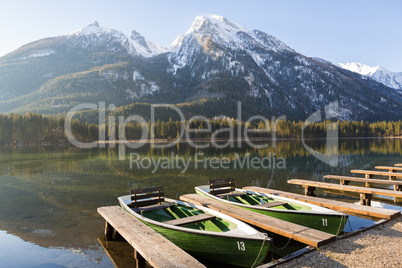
x,y
33,128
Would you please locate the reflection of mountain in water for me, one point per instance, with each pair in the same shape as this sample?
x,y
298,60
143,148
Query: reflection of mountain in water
x,y
49,195
33,218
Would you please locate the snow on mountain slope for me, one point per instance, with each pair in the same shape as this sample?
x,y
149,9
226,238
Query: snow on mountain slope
x,y
378,73
211,67
144,46
135,45
213,34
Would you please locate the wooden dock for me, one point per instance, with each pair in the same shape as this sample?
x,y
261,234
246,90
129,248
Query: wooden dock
x,y
296,232
370,173
154,248
344,180
391,169
352,209
391,174
366,193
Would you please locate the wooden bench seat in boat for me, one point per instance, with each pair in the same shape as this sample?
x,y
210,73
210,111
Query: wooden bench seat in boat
x,y
153,207
145,198
191,220
230,195
221,186
272,204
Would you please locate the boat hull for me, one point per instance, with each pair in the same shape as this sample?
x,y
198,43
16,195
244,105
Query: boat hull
x,y
241,250
231,250
326,222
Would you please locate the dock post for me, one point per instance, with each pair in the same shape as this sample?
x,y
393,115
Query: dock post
x,y
368,176
365,199
368,184
308,190
108,231
139,260
396,187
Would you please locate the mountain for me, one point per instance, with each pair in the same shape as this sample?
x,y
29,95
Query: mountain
x,y
205,71
379,74
94,34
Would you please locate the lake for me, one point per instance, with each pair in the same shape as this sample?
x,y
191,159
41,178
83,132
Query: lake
x,y
49,195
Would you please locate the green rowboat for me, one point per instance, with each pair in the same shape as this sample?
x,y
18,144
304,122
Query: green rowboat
x,y
287,209
200,231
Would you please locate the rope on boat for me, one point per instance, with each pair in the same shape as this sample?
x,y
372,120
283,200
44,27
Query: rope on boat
x,y
340,223
287,243
290,238
348,220
259,253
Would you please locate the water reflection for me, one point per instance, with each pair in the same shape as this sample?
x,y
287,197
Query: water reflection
x,y
49,195
12,248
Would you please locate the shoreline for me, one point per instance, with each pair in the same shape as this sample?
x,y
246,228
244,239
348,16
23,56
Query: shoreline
x,y
209,140
66,143
376,247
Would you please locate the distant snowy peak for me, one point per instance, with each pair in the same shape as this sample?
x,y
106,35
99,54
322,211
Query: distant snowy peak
x,y
93,29
378,73
229,34
144,46
135,45
361,68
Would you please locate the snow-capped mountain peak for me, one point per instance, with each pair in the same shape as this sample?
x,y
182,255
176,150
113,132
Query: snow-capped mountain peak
x,y
361,68
91,29
218,27
218,37
144,46
378,73
227,33
135,45
219,24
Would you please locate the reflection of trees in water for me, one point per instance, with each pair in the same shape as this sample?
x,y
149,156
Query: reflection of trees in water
x,y
57,190
26,214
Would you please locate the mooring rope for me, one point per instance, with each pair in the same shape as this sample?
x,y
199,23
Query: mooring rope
x,y
287,243
350,226
340,223
259,253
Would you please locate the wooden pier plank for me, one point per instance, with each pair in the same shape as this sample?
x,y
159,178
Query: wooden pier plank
x,y
297,232
355,189
347,178
378,173
153,247
398,165
391,169
332,204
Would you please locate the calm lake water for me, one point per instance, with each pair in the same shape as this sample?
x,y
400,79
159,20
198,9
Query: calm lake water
x,y
49,195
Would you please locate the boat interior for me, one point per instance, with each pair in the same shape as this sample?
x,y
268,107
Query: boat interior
x,y
150,203
225,189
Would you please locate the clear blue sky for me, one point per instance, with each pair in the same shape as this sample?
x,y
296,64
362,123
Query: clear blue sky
x,y
339,31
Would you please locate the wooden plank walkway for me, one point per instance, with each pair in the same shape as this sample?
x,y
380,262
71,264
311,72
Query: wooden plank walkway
x,y
398,165
299,233
391,169
153,247
365,192
349,208
344,180
370,173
